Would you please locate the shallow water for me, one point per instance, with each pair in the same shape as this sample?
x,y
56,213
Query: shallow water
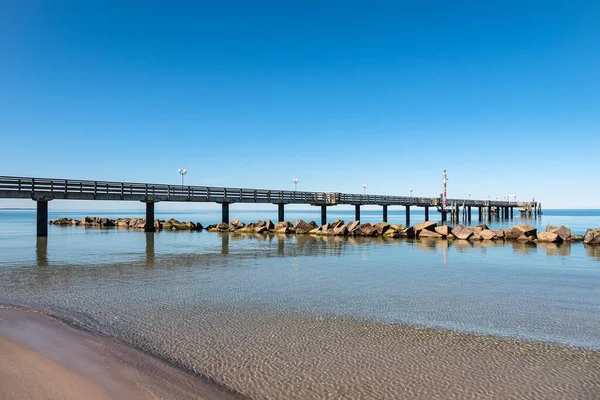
x,y
242,308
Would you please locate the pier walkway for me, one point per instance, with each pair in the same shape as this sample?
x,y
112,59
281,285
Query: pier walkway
x,y
43,190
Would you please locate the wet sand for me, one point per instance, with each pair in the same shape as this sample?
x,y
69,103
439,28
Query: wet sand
x,y
42,358
301,357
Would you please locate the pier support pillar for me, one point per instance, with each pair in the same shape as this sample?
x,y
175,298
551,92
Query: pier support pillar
x,y
444,216
480,211
149,216
385,213
42,218
512,212
225,212
357,212
489,211
426,213
469,214
407,216
280,213
323,215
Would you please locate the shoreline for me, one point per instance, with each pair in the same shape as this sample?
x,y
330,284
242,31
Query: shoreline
x,y
435,352
44,349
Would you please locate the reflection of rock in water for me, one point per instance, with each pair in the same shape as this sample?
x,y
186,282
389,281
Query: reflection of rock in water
x,y
484,244
150,260
461,245
556,249
224,243
41,251
593,251
524,247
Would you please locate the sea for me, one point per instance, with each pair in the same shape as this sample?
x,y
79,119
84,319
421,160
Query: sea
x,y
205,301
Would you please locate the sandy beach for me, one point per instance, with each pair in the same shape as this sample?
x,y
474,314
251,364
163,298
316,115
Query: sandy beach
x,y
43,358
46,358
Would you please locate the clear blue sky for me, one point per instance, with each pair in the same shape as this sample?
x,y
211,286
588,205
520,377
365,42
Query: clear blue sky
x,y
504,95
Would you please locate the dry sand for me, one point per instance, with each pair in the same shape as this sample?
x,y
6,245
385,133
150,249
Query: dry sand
x,y
41,358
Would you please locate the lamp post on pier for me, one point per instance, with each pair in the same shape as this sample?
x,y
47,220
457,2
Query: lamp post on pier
x,y
295,180
182,172
365,188
411,190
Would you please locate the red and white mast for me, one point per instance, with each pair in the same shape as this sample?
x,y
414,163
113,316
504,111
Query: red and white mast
x,y
444,180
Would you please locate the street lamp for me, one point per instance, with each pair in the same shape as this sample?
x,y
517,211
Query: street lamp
x,y
295,180
182,172
365,188
411,189
469,197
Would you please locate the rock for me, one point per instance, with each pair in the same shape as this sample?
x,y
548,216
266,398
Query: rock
x,y
549,237
74,222
592,236
340,231
483,227
199,226
122,224
303,227
450,237
221,226
526,230
325,227
337,223
523,238
409,232
476,229
392,233
425,233
382,227
475,237
280,225
352,226
462,233
315,231
575,238
499,233
562,231
282,229
270,226
106,222
366,229
236,224
261,229
487,234
428,225
443,230
397,227
260,223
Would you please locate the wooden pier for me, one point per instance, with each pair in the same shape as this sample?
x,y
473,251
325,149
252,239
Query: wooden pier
x,y
43,190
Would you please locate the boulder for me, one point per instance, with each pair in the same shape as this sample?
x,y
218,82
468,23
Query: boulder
x,y
337,223
476,229
352,226
392,233
499,233
549,237
221,226
397,227
426,233
443,230
408,232
487,234
450,236
106,222
199,226
462,232
366,229
575,238
280,225
315,231
236,224
282,229
340,231
270,226
382,227
121,223
261,229
483,227
428,225
475,237
260,223
592,236
562,231
526,230
303,227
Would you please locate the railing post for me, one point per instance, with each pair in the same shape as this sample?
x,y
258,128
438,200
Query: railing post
x,y
19,185
52,187
122,191
32,185
95,189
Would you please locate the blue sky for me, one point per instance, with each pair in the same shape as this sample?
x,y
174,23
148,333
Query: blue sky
x,y
504,95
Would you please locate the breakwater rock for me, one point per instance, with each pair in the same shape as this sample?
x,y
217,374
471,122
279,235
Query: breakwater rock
x,y
131,223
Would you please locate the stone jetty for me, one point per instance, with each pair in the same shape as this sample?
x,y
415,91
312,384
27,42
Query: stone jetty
x,y
131,223
428,229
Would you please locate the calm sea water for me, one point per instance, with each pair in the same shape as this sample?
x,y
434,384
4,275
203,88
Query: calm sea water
x,y
169,292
